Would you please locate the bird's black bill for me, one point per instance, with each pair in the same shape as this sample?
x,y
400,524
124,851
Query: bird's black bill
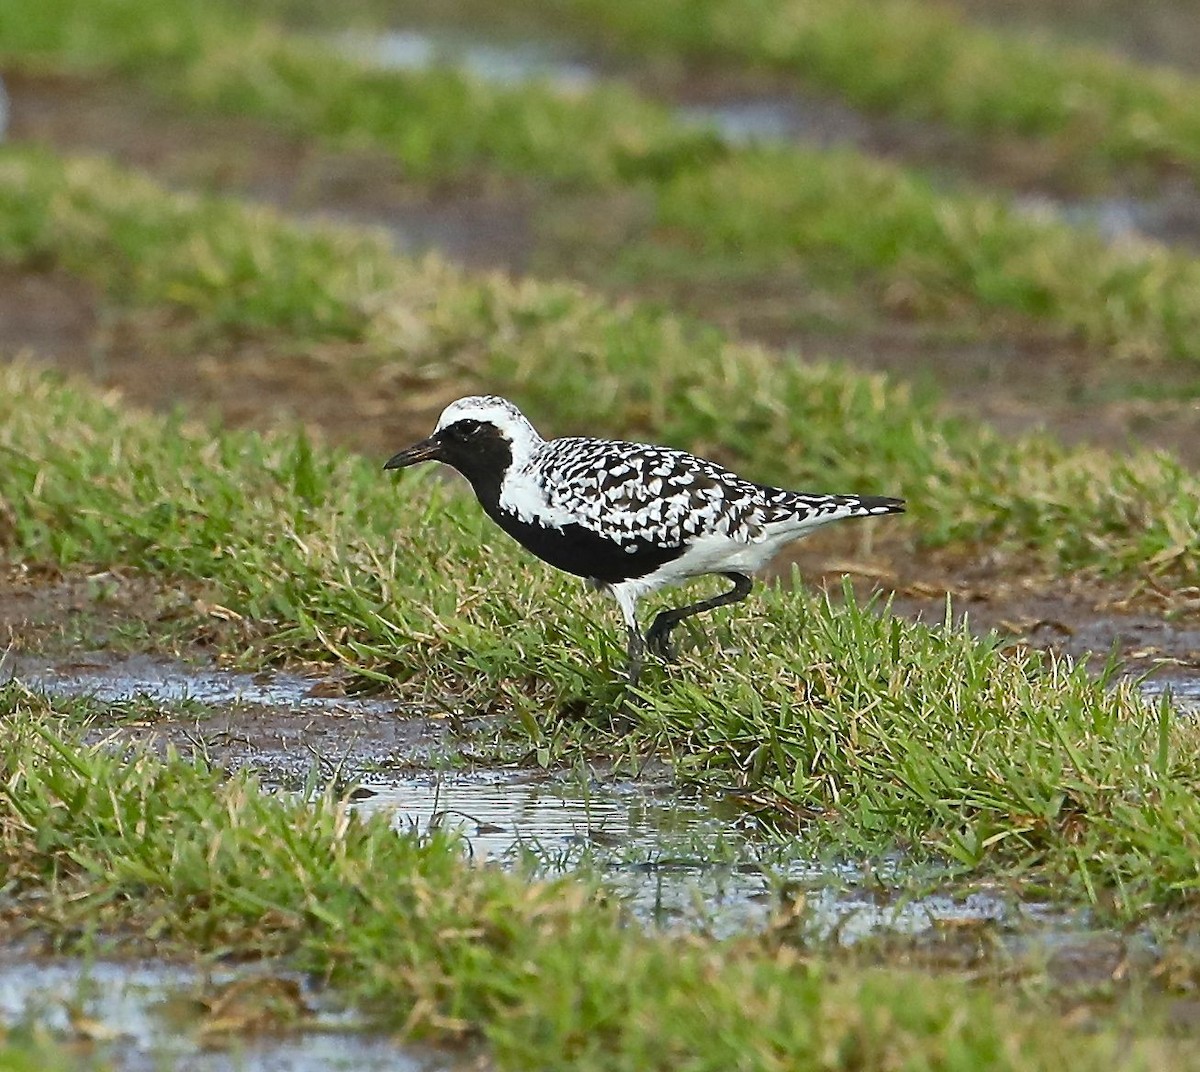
x,y
428,450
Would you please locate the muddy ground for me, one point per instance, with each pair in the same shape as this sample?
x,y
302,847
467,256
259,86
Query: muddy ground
x,y
1165,32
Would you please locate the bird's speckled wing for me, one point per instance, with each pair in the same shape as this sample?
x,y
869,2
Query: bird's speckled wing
x,y
658,495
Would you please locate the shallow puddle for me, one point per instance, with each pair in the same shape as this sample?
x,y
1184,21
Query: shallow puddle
x,y
1183,692
1172,218
503,64
144,678
150,1015
745,121
675,858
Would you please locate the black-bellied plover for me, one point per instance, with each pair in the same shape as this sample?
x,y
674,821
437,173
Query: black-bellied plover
x,y
629,517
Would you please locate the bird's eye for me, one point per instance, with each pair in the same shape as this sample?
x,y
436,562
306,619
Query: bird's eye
x,y
466,429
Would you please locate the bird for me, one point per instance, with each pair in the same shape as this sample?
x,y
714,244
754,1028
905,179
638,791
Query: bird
x,y
629,518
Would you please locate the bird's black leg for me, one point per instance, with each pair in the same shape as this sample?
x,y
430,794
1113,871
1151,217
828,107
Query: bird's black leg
x,y
637,648
658,639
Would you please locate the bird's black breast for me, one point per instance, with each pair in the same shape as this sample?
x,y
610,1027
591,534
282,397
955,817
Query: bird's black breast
x,y
584,552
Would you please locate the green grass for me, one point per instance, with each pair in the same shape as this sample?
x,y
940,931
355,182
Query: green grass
x,y
544,974
630,371
892,732
958,254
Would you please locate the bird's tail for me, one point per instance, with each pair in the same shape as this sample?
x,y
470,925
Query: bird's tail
x,y
815,511
870,505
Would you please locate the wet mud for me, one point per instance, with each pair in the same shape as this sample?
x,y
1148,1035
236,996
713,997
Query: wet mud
x,y
156,362
1147,630
1078,620
286,727
1165,32
46,610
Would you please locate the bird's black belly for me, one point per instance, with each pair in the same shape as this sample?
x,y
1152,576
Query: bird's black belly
x,y
578,550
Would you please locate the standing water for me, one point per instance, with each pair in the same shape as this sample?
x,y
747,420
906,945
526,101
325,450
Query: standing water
x,y
675,857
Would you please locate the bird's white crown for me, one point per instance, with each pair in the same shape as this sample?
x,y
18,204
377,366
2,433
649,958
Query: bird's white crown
x,y
497,411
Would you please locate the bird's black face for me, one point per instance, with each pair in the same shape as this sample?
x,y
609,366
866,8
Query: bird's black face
x,y
477,449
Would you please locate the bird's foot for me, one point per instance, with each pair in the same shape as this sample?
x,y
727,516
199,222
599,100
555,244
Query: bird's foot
x,y
658,641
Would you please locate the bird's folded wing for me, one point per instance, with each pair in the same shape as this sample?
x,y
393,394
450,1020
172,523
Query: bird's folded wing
x,y
653,494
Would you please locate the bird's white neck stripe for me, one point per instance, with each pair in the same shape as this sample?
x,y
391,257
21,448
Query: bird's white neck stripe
x,y
523,495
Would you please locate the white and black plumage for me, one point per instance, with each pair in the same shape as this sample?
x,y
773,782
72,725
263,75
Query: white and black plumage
x,y
629,517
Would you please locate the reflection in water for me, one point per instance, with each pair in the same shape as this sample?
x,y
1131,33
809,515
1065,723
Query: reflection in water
x,y
676,859
676,862
737,121
412,50
141,677
145,1016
